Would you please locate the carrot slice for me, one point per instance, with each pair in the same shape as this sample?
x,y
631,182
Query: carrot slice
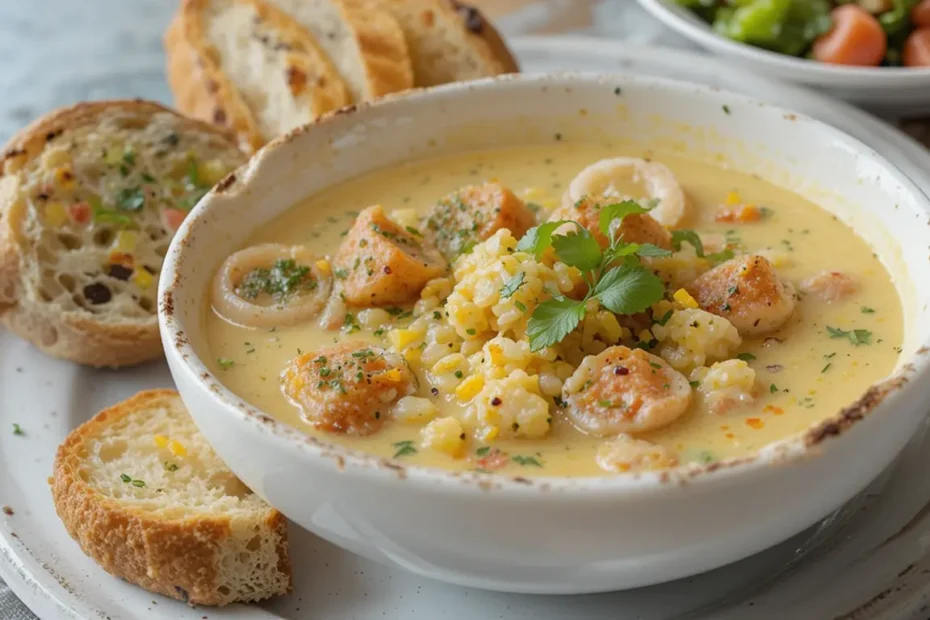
x,y
920,14
856,38
917,49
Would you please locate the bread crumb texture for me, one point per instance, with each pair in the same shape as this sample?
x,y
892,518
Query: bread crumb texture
x,y
146,497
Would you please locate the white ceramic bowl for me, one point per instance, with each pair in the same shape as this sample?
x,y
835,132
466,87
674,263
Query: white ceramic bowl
x,y
890,90
555,535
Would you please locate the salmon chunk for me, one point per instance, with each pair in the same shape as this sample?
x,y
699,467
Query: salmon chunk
x,y
830,286
381,263
636,228
348,388
473,213
747,292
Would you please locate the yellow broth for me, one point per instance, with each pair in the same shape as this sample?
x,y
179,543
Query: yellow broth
x,y
803,374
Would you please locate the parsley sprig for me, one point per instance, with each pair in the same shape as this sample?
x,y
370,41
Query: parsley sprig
x,y
614,275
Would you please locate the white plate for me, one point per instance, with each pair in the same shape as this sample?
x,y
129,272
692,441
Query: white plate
x,y
867,544
893,90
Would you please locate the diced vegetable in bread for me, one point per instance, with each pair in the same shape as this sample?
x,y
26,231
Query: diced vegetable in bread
x,y
449,41
90,197
382,263
148,499
365,44
246,65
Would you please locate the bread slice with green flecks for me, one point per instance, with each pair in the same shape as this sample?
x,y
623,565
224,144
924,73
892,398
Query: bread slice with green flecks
x,y
146,497
90,197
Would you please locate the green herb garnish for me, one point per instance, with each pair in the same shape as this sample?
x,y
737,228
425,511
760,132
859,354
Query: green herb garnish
x,y
130,198
526,461
18,430
225,363
512,285
404,448
857,337
614,277
746,357
285,278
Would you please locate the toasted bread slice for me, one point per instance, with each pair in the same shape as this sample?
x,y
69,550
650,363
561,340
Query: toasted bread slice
x,y
90,197
246,65
448,41
148,499
367,46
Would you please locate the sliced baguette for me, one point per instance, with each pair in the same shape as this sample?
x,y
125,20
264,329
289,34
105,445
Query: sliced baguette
x,y
149,500
366,45
246,65
89,199
448,41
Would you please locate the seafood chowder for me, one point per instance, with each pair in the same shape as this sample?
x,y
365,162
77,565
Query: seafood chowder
x,y
563,310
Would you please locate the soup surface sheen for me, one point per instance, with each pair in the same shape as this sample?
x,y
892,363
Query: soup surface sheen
x,y
833,346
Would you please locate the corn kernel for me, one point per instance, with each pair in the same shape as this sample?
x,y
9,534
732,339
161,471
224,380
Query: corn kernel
x,y
177,448
161,441
212,172
392,375
114,156
470,387
533,193
491,433
444,435
646,336
684,298
55,214
64,176
497,355
142,278
448,363
126,241
402,338
733,199
413,355
323,265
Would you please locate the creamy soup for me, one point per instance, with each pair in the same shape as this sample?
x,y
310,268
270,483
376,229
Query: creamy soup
x,y
781,317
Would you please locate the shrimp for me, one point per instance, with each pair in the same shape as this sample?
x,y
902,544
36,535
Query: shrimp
x,y
348,388
747,292
382,263
472,214
627,454
597,181
830,286
636,228
271,284
625,391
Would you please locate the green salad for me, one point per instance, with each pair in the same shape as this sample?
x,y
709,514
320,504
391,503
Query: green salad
x,y
851,32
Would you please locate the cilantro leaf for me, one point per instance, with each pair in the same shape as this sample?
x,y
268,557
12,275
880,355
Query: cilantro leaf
x,y
552,320
617,211
680,236
628,289
650,250
512,285
578,249
538,238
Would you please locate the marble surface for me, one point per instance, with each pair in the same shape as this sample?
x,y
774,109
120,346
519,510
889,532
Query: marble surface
x,y
57,52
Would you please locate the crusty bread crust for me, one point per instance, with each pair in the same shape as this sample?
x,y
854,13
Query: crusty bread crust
x,y
383,49
75,336
201,89
420,19
204,90
178,558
